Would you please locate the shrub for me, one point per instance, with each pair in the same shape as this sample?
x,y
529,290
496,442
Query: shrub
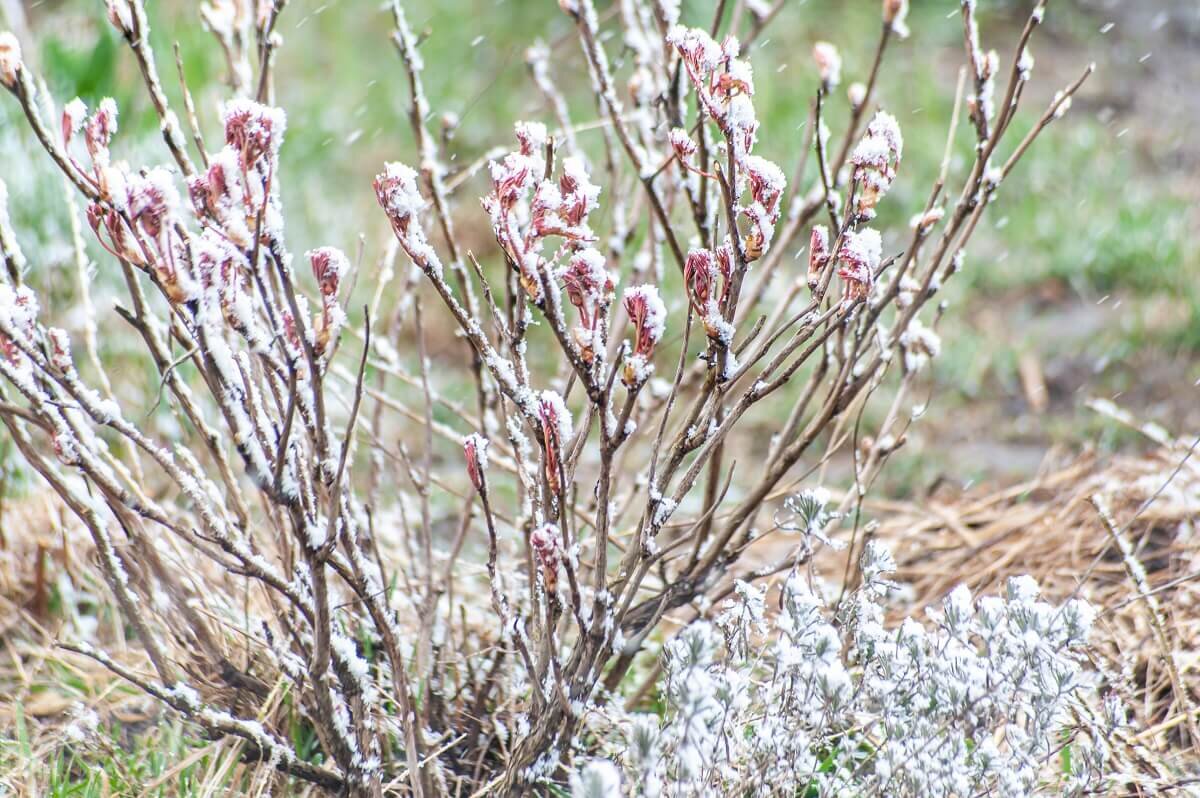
x,y
597,478
976,705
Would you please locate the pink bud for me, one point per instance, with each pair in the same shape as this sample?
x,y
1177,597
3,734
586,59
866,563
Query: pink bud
x,y
100,129
329,265
858,259
682,144
546,542
556,432
829,64
396,189
10,59
588,285
476,449
648,315
73,116
60,350
700,277
818,254
254,130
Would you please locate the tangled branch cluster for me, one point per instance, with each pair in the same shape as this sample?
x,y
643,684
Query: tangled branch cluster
x,y
604,494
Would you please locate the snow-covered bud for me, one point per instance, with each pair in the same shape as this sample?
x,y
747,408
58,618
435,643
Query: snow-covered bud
x,y
818,254
10,59
856,94
120,16
894,14
920,344
73,116
579,197
19,308
546,542
1025,65
329,265
396,189
532,137
100,130
682,144
18,319
767,182
875,161
766,187
589,287
60,350
476,449
696,47
648,315
152,200
923,221
65,449
254,130
858,260
700,279
702,273
510,179
556,431
758,237
829,64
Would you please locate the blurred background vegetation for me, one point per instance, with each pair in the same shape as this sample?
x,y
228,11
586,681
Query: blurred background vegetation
x,y
1083,281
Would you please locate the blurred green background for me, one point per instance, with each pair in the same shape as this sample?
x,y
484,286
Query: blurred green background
x,y
1084,275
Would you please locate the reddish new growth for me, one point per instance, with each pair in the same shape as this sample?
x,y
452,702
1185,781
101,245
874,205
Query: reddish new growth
x,y
546,542
682,144
329,265
60,350
724,84
134,216
818,255
875,161
858,261
558,209
222,271
18,318
138,212
766,189
556,432
255,131
10,59
648,315
475,447
706,276
589,287
398,195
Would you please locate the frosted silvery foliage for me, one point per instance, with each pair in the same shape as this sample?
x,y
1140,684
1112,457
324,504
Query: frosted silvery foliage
x,y
987,696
